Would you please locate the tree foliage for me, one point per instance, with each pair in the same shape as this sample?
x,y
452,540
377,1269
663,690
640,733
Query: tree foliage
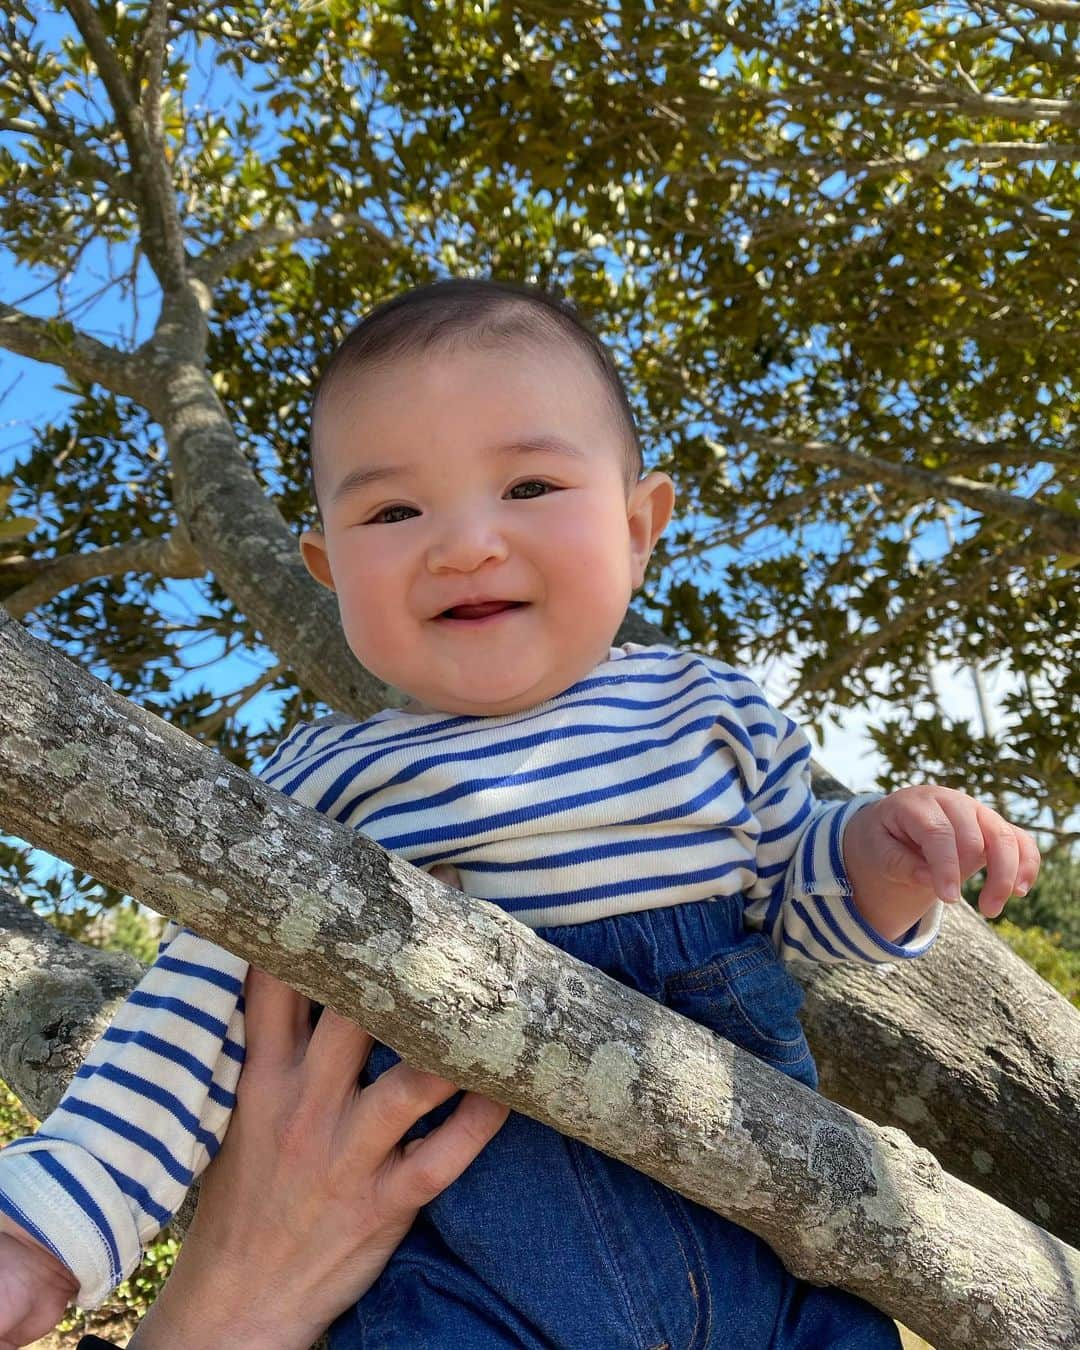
x,y
831,244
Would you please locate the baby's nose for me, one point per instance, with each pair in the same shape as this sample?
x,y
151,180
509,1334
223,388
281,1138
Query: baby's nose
x,y
467,543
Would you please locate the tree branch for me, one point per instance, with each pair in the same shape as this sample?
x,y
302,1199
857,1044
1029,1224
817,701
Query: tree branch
x,y
1064,10
88,776
84,161
985,152
56,998
172,555
972,583
210,268
59,343
245,542
782,507
162,236
1052,527
53,127
208,727
895,92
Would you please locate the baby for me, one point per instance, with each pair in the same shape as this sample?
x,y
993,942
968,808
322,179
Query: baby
x,y
485,520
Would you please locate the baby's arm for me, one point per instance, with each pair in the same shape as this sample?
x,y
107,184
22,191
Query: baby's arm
x,y
863,879
802,896
143,1116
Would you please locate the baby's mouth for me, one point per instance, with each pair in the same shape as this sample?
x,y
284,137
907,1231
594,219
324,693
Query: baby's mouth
x,y
482,611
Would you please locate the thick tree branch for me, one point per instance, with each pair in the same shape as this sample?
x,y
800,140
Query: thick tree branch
x,y
172,555
459,987
152,47
211,267
59,343
241,536
1003,1047
56,998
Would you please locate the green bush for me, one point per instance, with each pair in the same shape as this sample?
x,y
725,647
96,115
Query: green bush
x,y
124,927
130,1301
15,1119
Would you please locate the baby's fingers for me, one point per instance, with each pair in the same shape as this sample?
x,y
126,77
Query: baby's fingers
x,y
1003,858
1030,860
933,836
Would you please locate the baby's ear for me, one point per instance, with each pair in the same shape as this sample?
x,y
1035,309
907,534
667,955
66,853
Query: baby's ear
x,y
316,558
648,511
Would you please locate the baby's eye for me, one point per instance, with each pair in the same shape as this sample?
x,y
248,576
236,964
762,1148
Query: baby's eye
x,y
530,484
387,515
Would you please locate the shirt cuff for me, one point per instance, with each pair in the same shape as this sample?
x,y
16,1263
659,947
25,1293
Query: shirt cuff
x,y
822,921
79,1213
919,938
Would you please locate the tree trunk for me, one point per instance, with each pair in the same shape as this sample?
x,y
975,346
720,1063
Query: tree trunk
x,y
460,988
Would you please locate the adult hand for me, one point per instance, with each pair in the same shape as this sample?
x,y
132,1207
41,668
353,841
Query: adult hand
x,y
312,1190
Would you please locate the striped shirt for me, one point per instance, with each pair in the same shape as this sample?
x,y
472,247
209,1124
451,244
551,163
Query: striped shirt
x,y
663,777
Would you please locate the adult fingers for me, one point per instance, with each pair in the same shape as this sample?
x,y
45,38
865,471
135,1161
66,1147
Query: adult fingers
x,y
447,874
430,1164
391,1106
277,1020
336,1053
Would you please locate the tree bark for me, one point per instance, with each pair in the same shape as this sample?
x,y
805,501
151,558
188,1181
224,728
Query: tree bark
x,y
56,998
461,988
974,1055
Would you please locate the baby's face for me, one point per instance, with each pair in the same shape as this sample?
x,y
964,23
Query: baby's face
x,y
478,530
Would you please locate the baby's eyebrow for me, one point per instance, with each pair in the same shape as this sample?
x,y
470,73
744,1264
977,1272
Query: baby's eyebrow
x,y
377,473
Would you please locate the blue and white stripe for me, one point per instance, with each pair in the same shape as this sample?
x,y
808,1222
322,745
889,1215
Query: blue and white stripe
x,y
143,1116
664,777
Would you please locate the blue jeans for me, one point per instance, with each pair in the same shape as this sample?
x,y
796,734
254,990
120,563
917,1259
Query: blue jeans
x,y
548,1245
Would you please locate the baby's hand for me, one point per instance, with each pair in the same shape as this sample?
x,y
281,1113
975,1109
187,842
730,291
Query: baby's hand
x,y
934,838
35,1287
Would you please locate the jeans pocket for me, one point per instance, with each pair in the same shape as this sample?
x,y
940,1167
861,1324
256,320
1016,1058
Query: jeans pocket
x,y
748,997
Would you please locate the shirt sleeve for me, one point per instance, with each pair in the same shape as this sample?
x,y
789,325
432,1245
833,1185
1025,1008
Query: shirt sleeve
x,y
147,1111
802,896
143,1116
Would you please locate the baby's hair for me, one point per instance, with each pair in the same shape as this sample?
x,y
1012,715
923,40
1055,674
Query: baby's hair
x,y
483,314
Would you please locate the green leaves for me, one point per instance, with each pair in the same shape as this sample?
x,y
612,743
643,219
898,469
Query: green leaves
x,y
13,527
797,226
